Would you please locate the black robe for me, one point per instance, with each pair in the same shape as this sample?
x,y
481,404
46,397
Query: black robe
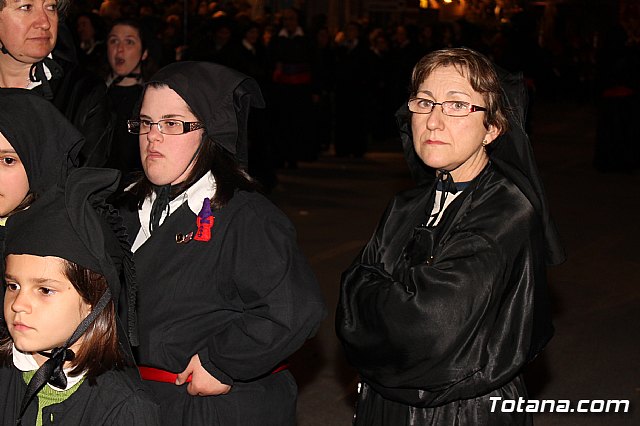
x,y
439,319
82,98
115,399
243,301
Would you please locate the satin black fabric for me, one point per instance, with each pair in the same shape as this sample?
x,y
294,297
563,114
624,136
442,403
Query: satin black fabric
x,y
374,410
433,316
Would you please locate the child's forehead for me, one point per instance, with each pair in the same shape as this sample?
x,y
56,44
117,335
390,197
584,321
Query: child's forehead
x,y
36,268
5,145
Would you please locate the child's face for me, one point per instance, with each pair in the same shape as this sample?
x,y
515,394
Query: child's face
x,y
14,184
41,307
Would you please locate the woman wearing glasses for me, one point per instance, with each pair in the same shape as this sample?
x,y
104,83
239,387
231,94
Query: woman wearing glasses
x,y
447,302
224,293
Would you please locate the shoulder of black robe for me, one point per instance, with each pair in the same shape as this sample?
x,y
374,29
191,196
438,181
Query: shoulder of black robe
x,y
81,97
46,142
511,153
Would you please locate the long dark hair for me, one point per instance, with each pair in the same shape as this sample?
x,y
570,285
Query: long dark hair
x,y
100,350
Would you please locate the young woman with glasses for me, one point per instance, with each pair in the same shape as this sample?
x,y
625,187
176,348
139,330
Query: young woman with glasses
x,y
225,295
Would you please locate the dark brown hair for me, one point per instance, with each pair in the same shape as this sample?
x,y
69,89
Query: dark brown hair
x,y
26,202
477,69
100,350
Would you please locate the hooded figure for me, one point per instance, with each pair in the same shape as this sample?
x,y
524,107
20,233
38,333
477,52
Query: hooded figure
x,y
45,142
448,301
72,222
50,68
225,295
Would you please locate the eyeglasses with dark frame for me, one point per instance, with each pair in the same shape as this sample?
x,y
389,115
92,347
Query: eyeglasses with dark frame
x,y
167,126
450,108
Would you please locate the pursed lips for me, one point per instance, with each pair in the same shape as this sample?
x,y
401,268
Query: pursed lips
x,y
43,38
154,154
18,326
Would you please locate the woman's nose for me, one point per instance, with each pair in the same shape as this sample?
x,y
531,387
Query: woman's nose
x,y
435,119
42,19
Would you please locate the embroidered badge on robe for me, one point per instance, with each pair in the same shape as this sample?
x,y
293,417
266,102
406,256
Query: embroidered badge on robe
x,y
204,222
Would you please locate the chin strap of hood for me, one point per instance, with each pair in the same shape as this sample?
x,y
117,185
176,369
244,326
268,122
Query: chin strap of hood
x,y
445,185
118,79
52,371
37,74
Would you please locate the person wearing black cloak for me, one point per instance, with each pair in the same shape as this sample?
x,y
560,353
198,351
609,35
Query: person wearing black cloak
x,y
225,294
447,302
127,54
37,148
64,356
37,53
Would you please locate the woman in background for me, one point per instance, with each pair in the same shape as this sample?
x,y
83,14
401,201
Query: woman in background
x,y
126,52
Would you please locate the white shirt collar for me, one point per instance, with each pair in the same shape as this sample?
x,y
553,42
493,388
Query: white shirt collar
x,y
47,73
248,46
285,33
205,187
26,362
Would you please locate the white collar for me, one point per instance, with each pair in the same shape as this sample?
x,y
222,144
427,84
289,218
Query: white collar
x,y
298,32
26,362
248,46
205,187
47,73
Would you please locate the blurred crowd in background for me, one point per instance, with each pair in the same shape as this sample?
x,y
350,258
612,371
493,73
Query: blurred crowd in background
x,y
335,91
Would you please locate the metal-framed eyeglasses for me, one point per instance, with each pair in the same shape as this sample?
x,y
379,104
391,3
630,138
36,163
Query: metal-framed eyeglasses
x,y
450,108
167,126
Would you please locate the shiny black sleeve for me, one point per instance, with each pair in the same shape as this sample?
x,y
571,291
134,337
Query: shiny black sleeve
x,y
453,327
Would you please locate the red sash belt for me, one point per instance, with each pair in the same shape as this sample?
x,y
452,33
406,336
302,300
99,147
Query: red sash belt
x,y
158,375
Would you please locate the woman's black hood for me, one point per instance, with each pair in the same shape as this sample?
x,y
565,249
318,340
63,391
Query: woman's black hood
x,y
46,142
511,153
219,96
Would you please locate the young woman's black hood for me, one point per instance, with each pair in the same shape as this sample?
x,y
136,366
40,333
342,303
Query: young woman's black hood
x,y
219,96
